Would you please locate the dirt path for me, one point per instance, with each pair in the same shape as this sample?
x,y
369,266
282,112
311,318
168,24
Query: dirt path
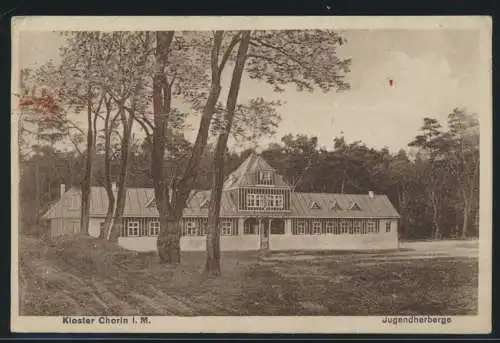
x,y
443,248
87,277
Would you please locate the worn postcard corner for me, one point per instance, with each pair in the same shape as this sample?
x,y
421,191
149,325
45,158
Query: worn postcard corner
x,y
251,174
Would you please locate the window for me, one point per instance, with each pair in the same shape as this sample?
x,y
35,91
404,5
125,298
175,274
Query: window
x,y
274,201
255,200
370,226
204,228
336,206
354,206
316,227
260,200
133,228
331,227
251,200
101,226
388,226
301,227
265,177
204,203
226,227
190,228
315,206
356,227
344,227
363,227
278,201
250,227
154,228
265,201
270,200
277,227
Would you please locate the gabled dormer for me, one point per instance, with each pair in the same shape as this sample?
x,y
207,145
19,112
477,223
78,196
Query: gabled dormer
x,y
258,187
255,172
315,205
354,206
336,206
205,203
151,203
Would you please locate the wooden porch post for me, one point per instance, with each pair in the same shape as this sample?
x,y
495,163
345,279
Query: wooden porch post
x,y
260,233
288,226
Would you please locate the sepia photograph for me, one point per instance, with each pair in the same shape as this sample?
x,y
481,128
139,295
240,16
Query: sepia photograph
x,y
251,174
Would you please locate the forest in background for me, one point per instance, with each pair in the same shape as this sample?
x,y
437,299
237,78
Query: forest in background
x,y
434,184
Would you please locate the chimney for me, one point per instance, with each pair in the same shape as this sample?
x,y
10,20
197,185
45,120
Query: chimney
x,y
371,194
113,187
62,190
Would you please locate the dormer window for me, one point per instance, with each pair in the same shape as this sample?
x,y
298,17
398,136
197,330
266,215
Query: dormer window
x,y
204,204
336,206
152,203
265,177
354,207
315,206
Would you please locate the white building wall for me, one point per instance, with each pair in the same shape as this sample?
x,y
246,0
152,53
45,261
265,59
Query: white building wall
x,y
375,241
333,242
196,243
95,226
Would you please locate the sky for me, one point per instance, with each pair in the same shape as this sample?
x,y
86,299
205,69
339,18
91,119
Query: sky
x,y
433,71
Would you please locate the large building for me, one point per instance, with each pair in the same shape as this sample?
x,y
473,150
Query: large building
x,y
259,211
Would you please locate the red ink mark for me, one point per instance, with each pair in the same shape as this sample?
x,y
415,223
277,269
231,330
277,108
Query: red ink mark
x,y
46,104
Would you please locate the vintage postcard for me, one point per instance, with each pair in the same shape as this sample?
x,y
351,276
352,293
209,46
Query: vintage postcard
x,y
251,174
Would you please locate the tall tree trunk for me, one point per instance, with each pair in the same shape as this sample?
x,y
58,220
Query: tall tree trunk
x,y
167,243
435,219
121,195
468,198
342,185
108,186
465,218
108,221
37,193
86,183
171,201
212,265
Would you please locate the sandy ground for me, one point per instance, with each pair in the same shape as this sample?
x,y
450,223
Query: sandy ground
x,y
84,276
443,248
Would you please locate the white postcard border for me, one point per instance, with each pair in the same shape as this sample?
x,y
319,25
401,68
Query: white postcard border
x,y
305,324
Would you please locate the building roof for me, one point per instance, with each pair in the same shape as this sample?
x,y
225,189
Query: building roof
x,y
301,205
140,201
245,174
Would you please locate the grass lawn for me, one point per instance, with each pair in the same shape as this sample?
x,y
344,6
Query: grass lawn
x,y
84,276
